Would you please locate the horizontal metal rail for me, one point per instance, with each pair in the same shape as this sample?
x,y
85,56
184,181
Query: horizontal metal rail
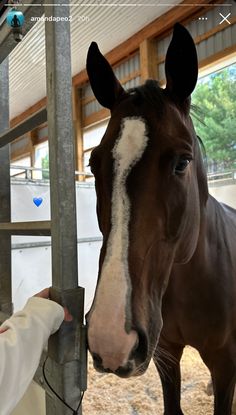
x,y
40,228
46,244
24,127
31,8
222,179
226,175
83,173
29,170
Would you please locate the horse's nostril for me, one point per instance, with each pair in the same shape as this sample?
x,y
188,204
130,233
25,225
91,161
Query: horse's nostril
x,y
97,359
136,345
125,371
135,349
140,349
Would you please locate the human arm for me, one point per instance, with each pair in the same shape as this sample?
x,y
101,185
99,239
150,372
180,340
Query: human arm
x,y
21,345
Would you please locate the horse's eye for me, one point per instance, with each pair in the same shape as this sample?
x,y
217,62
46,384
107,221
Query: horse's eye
x,y
181,165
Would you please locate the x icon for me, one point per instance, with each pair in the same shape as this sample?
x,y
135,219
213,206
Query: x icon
x,y
224,18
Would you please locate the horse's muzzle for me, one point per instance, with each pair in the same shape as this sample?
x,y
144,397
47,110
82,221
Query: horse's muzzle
x,y
123,372
136,364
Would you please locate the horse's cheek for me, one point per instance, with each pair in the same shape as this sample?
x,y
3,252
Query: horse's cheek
x,y
175,210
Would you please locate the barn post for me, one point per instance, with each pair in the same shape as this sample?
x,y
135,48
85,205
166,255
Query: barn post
x,y
66,368
5,200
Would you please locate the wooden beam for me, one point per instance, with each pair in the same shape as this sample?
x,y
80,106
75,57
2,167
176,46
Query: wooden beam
x,y
218,28
148,59
32,139
27,113
20,152
24,127
205,36
123,81
217,57
158,27
212,60
34,136
96,117
183,12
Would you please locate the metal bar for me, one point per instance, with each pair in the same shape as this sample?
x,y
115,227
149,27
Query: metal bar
x,y
61,149
40,228
46,244
15,167
39,378
27,125
5,196
3,317
221,176
65,369
7,41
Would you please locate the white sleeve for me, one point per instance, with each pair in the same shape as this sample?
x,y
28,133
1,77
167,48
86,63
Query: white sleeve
x,y
21,346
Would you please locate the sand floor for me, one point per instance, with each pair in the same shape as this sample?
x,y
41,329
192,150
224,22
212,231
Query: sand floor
x,y
109,395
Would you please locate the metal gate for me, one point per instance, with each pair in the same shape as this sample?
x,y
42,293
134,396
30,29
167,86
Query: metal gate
x,y
66,366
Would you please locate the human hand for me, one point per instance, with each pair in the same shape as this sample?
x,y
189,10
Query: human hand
x,y
43,294
46,294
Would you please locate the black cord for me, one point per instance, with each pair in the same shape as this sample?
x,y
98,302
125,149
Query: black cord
x,y
74,411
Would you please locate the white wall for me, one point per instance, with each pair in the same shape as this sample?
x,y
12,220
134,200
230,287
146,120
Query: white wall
x,y
225,194
31,267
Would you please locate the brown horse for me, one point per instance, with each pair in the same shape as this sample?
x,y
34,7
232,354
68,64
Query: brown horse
x,y
167,272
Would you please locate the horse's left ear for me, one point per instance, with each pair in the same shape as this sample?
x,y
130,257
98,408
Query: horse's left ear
x,y
181,65
106,87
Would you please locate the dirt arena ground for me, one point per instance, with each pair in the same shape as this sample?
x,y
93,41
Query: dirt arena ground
x,y
109,395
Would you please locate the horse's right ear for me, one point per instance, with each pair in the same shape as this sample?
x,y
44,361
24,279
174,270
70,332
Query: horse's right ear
x,y
106,87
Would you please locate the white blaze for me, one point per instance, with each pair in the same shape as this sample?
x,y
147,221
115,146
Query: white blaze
x,y
109,334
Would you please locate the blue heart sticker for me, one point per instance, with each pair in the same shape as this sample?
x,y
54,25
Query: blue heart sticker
x,y
37,201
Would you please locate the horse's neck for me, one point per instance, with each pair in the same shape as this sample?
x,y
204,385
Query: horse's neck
x,y
218,230
220,214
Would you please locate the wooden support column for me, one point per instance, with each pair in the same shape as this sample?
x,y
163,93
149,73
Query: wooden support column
x,y
77,122
148,60
32,139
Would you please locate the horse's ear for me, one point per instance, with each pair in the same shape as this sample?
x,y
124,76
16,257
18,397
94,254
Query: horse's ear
x,y
106,87
181,65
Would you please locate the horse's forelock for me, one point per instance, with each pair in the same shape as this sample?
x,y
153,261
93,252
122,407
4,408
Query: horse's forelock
x,y
150,93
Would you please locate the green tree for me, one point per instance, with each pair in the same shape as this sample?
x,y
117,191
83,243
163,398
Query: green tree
x,y
45,165
215,123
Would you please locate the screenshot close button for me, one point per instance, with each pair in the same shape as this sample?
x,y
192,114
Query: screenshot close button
x,y
225,18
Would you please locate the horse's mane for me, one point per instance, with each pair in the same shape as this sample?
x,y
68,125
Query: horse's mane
x,y
150,92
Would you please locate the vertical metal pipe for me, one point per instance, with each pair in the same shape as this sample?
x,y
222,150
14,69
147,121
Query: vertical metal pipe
x,y
5,200
67,347
61,149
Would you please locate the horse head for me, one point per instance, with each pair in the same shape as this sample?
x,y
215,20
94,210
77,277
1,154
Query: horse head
x,y
151,189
